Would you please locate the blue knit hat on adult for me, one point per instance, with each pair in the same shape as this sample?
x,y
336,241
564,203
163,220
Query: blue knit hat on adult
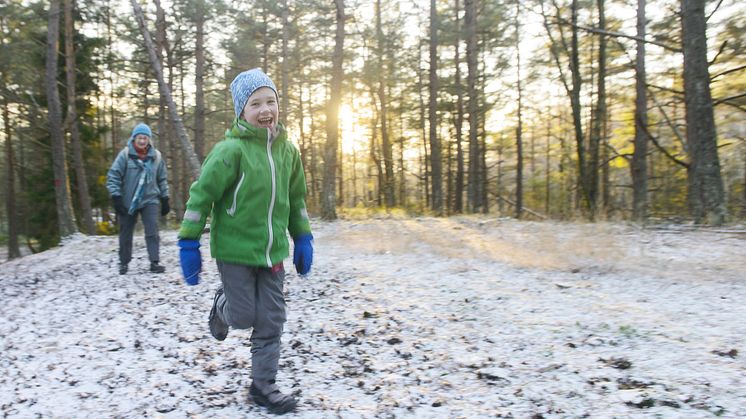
x,y
142,129
245,84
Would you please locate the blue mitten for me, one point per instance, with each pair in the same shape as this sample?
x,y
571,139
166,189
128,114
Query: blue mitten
x,y
303,253
191,260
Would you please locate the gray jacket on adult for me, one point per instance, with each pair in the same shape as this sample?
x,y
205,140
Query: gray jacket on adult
x,y
125,173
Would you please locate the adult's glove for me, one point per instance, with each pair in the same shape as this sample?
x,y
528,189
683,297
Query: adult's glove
x,y
165,208
303,253
191,260
119,205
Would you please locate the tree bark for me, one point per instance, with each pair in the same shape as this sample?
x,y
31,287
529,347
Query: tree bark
x,y
577,111
424,167
599,118
285,65
65,215
84,197
743,185
458,205
386,148
639,163
199,82
189,153
328,201
706,190
471,60
436,162
11,209
166,125
519,128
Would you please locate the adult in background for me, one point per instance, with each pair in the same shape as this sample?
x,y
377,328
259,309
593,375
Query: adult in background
x,y
137,184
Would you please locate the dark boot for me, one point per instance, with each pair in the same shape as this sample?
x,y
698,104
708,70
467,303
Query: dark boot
x,y
156,268
218,329
122,268
272,398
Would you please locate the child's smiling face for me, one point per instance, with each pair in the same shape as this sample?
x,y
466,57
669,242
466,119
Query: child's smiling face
x,y
261,109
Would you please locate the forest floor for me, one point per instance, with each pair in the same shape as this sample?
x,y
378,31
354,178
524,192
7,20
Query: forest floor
x,y
426,317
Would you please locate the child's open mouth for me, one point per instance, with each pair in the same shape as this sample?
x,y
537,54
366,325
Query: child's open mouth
x,y
265,122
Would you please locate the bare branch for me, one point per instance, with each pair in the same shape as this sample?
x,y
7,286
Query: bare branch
x,y
720,51
660,147
714,10
622,35
665,89
553,51
732,70
668,120
728,99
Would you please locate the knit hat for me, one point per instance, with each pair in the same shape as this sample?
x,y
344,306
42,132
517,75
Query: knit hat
x,y
245,84
142,129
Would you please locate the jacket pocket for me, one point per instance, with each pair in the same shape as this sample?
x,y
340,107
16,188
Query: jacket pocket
x,y
232,210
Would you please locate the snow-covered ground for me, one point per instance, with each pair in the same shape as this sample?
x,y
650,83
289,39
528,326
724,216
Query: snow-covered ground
x,y
444,318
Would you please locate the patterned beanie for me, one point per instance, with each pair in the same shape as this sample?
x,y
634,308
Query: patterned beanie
x,y
245,84
142,129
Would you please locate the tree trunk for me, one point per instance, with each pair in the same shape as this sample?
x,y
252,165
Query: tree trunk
x,y
328,201
483,205
65,215
639,164
547,164
199,82
743,185
471,60
706,191
436,162
386,148
285,65
458,205
84,197
402,165
577,111
599,119
110,66
424,167
340,172
166,126
519,128
10,181
186,145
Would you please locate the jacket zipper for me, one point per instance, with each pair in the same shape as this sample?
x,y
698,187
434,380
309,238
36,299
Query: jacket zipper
x,y
232,210
272,199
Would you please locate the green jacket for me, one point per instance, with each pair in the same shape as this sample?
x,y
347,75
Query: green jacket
x,y
255,189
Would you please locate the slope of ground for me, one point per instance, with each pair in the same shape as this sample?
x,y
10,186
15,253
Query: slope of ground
x,y
445,318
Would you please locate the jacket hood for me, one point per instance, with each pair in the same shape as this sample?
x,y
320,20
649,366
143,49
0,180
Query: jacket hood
x,y
242,129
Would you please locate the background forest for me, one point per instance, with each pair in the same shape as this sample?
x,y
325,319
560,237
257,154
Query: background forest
x,y
561,109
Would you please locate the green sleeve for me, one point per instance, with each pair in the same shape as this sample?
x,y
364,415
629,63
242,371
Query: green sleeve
x,y
218,172
298,223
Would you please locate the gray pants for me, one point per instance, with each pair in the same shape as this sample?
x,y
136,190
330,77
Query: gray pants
x,y
253,297
127,228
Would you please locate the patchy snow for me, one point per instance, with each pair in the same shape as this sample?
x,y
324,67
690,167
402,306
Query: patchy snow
x,y
441,318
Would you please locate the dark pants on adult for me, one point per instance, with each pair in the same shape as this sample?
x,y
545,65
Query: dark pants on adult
x,y
149,214
253,298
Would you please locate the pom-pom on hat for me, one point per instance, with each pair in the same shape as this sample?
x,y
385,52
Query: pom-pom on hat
x,y
142,129
245,84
